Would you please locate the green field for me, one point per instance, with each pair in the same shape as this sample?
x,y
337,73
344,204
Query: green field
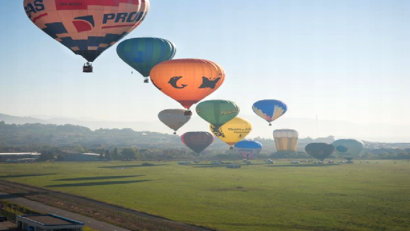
x,y
360,196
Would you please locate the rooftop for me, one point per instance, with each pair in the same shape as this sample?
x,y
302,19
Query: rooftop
x,y
50,220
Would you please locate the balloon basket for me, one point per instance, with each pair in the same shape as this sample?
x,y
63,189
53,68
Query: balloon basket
x,y
87,68
146,80
188,113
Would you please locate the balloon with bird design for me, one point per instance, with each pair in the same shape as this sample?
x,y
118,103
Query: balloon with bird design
x,y
143,54
269,109
87,27
187,80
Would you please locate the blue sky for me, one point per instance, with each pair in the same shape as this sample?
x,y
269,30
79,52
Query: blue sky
x,y
338,60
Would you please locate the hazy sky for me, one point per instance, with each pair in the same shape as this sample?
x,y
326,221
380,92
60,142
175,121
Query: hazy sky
x,y
343,60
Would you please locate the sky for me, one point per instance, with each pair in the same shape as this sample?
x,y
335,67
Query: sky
x,y
327,59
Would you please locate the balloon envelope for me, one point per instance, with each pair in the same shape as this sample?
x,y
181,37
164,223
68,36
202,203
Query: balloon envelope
x,y
87,27
248,148
174,118
286,140
143,54
233,131
187,80
348,148
269,109
319,151
197,141
217,112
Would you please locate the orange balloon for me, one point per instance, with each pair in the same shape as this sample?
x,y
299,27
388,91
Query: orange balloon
x,y
187,80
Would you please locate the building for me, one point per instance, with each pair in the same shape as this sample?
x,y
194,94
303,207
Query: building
x,y
47,222
82,157
16,157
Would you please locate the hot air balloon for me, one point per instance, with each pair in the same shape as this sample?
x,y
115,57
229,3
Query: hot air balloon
x,y
269,109
286,140
233,131
174,118
248,148
197,141
319,151
187,80
143,54
87,27
217,112
348,148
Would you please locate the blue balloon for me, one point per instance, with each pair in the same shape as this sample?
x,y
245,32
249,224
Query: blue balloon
x,y
143,54
248,148
269,109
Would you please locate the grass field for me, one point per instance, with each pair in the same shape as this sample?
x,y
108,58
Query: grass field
x,y
372,196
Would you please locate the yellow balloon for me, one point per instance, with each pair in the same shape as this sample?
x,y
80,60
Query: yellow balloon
x,y
233,131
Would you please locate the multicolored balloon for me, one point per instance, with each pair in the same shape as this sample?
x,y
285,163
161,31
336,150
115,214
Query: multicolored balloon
x,y
233,131
319,151
143,54
348,148
187,80
87,27
197,141
174,118
286,140
217,112
248,148
269,109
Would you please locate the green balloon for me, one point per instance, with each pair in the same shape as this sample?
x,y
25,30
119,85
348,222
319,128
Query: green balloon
x,y
348,148
217,112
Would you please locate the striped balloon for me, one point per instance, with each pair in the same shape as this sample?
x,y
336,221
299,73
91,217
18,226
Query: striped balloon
x,y
87,27
143,54
269,109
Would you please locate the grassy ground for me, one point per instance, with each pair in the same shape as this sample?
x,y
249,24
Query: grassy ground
x,y
373,196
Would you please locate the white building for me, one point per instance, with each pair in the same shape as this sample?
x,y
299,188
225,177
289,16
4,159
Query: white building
x,y
47,222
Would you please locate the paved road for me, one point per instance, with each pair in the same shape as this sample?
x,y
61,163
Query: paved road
x,y
92,223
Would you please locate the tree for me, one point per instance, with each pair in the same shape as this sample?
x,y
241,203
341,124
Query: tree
x,y
115,155
128,154
108,155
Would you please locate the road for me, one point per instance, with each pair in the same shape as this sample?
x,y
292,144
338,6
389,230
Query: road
x,y
92,223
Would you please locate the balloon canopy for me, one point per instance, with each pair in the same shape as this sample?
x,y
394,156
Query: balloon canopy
x,y
248,148
233,131
197,141
348,148
143,54
286,140
269,109
187,80
87,27
217,112
319,151
174,118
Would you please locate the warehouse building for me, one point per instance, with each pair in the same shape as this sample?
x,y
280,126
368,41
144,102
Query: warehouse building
x,y
16,157
82,157
47,222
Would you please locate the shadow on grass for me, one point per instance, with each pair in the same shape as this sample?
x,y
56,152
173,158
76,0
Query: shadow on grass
x,y
16,195
26,175
131,166
96,183
97,178
301,165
